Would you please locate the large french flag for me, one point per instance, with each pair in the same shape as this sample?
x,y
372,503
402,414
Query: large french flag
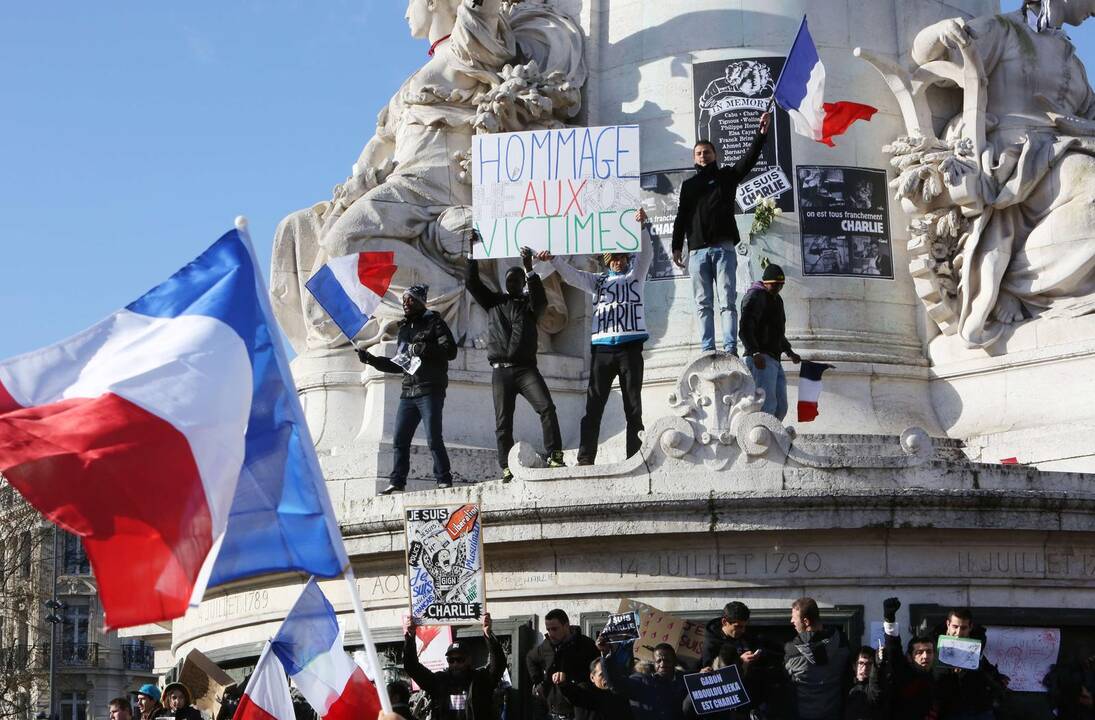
x,y
310,646
169,431
801,92
809,389
351,287
266,696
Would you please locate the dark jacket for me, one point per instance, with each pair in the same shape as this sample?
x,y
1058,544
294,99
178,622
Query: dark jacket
x,y
403,710
593,703
817,662
426,336
573,657
864,701
705,213
763,326
652,696
184,713
440,685
909,691
764,676
511,334
968,691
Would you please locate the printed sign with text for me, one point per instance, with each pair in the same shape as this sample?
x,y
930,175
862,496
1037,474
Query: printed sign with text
x,y
716,692
845,222
959,652
1024,654
571,191
445,564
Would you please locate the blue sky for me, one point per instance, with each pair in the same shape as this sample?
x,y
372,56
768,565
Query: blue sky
x,y
133,132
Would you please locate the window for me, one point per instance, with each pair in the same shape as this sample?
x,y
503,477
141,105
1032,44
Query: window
x,y
74,629
24,554
76,562
73,706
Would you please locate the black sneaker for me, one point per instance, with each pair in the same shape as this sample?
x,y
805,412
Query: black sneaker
x,y
507,475
444,485
556,460
582,462
391,490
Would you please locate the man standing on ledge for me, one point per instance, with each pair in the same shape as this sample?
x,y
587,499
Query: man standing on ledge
x,y
764,333
512,342
705,216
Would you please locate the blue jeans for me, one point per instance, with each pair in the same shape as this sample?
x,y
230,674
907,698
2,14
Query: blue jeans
x,y
774,384
427,409
706,266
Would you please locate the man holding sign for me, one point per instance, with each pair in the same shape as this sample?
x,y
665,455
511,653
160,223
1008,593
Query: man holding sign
x,y
705,216
511,349
966,693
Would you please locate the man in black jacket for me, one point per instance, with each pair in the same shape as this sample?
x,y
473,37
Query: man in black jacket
x,y
511,349
424,347
906,681
764,333
564,650
460,692
968,694
595,700
705,216
762,660
818,664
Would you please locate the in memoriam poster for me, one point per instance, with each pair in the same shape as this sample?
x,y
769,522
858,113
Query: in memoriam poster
x,y
661,194
729,97
845,222
445,564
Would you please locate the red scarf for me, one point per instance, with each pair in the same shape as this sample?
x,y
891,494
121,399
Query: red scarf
x,y
434,46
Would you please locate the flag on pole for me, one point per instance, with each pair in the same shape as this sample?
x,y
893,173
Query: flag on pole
x,y
350,288
801,92
809,389
266,696
166,430
310,646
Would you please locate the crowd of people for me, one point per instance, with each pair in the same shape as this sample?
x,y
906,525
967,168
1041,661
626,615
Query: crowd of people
x,y
705,222
816,675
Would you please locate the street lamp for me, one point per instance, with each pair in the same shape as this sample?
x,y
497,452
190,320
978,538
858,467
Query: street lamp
x,y
53,618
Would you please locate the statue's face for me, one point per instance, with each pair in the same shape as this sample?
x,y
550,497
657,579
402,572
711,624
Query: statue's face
x,y
1076,11
419,17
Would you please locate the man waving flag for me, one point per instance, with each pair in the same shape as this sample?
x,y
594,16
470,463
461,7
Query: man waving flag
x,y
801,92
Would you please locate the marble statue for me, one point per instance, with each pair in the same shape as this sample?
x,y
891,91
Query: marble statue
x,y
1001,198
493,66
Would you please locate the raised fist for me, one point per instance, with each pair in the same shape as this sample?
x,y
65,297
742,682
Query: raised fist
x,y
890,606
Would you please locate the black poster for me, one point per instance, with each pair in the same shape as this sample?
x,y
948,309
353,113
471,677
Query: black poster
x,y
661,193
845,222
716,692
729,97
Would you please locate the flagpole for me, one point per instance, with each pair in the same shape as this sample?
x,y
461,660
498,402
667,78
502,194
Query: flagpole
x,y
367,639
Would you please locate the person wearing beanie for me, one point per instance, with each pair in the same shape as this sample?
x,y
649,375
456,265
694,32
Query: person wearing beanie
x,y
617,337
764,334
148,701
761,661
177,703
512,342
424,348
705,217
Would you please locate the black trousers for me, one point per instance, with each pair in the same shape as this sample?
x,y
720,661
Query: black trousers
x,y
608,362
507,384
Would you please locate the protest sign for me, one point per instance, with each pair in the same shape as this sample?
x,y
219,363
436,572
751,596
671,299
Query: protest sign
x,y
845,222
624,626
959,652
690,646
572,191
205,680
655,627
445,564
729,97
716,692
661,197
1025,655
432,641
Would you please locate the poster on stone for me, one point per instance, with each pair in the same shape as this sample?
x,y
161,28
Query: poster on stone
x,y
445,564
1024,654
845,222
572,191
716,692
729,97
661,194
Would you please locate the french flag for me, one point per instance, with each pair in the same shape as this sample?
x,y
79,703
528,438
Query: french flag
x,y
169,431
801,92
309,645
266,696
809,389
351,287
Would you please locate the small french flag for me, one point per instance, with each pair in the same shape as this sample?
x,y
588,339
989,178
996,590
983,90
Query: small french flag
x,y
310,646
267,694
809,389
351,287
801,92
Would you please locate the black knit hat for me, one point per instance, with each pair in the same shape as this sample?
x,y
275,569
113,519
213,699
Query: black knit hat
x,y
773,273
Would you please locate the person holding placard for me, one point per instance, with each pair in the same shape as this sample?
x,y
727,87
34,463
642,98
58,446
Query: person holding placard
x,y
659,696
968,694
424,347
595,700
511,349
617,337
705,218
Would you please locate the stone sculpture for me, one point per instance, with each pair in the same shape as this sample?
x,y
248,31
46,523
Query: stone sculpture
x,y
1001,198
493,66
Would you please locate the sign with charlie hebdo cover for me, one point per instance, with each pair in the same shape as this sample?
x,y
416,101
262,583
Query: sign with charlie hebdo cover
x,y
729,97
445,564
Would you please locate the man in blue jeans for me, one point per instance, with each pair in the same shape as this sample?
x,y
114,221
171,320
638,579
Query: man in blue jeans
x,y
705,217
764,334
424,347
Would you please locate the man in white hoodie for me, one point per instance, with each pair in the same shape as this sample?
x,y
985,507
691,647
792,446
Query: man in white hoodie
x,y
617,337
